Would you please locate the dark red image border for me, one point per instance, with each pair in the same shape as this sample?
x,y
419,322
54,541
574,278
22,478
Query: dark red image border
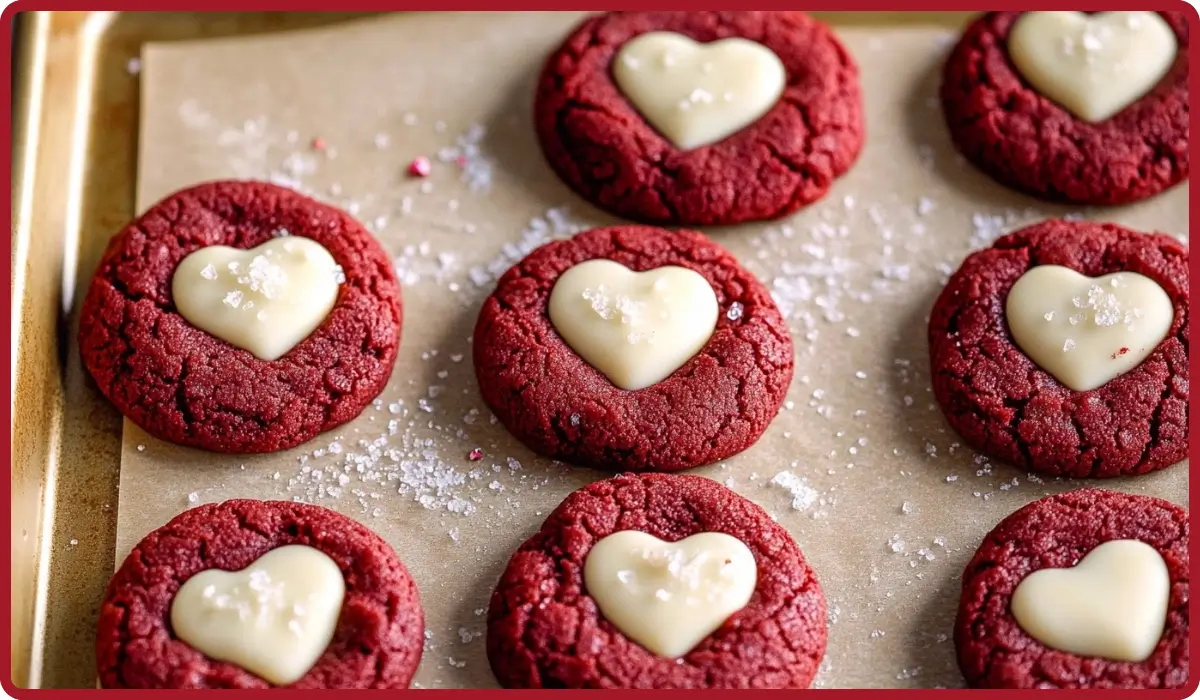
x,y
7,19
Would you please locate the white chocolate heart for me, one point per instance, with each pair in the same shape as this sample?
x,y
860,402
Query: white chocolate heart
x,y
669,596
274,618
1087,331
1112,604
264,300
1092,65
698,94
635,327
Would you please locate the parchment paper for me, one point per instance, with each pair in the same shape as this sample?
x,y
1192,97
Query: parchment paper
x,y
860,466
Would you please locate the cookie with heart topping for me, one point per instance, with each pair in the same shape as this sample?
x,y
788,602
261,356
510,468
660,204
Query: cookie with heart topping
x,y
700,118
1063,349
657,581
1086,589
260,594
241,317
1068,106
632,348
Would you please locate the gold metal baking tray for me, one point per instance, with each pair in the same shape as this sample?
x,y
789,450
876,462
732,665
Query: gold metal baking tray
x,y
75,145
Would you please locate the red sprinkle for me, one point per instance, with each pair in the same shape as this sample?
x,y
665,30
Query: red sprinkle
x,y
475,455
318,143
1120,352
461,161
419,167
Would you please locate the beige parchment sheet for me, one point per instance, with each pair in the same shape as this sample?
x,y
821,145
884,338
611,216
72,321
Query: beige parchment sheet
x,y
859,466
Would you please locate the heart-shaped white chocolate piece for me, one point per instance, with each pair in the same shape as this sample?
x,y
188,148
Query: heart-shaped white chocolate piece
x,y
1112,604
698,94
264,300
274,618
635,327
1087,331
669,596
1092,65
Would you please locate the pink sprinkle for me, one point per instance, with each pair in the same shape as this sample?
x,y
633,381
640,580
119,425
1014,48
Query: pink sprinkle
x,y
475,455
461,161
318,144
419,167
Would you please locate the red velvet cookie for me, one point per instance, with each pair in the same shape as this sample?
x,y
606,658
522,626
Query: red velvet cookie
x,y
1057,532
380,631
545,629
606,151
1028,142
182,384
1006,406
713,406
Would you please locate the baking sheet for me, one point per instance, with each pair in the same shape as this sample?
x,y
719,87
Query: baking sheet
x,y
859,466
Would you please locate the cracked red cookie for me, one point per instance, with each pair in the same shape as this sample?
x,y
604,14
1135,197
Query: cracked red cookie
x,y
1030,143
604,149
545,629
715,405
1005,406
1058,532
378,638
182,384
